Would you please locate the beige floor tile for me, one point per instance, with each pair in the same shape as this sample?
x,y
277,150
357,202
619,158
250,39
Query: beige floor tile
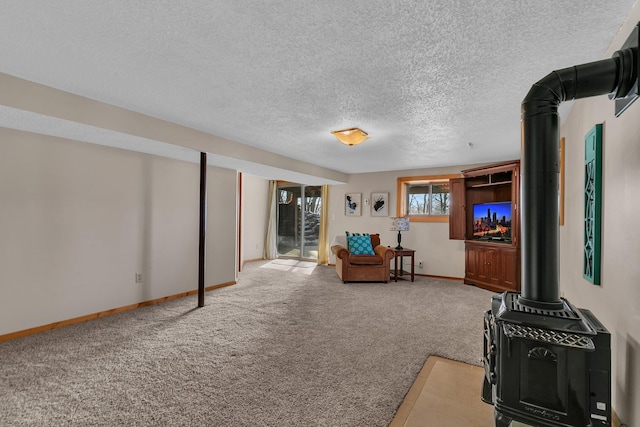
x,y
446,393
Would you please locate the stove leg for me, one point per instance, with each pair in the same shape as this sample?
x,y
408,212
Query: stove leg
x,y
502,420
487,392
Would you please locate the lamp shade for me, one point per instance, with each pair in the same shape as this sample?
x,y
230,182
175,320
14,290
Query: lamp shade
x,y
399,223
353,136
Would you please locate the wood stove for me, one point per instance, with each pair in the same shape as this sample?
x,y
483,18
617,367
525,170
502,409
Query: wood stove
x,y
548,363
553,366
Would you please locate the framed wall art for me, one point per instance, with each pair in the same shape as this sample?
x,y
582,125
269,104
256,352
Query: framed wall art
x,y
592,204
353,204
379,204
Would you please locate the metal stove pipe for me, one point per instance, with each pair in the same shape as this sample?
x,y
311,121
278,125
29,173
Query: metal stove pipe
x,y
540,165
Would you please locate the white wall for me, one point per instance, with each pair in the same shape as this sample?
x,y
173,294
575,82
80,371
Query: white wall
x,y
78,221
222,225
616,302
441,256
255,209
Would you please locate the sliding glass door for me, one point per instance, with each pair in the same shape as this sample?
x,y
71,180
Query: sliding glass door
x,y
298,220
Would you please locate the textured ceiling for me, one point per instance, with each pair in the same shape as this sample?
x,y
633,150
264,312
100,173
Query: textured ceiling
x,y
423,78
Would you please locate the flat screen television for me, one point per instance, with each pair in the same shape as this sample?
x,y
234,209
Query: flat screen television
x,y
492,222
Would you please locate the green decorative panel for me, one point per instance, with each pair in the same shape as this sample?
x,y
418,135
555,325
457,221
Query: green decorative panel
x,y
592,204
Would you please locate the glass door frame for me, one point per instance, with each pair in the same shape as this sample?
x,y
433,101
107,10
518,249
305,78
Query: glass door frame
x,y
300,203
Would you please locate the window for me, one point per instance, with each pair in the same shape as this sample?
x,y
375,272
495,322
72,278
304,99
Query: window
x,y
424,198
428,199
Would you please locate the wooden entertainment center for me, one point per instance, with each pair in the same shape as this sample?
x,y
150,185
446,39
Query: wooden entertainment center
x,y
490,262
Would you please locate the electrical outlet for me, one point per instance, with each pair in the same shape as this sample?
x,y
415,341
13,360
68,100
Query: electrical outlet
x,y
420,264
138,277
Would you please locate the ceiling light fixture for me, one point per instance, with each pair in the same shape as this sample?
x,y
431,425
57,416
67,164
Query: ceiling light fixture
x,y
353,136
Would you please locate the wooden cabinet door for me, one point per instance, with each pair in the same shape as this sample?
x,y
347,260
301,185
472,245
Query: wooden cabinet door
x,y
515,199
510,270
457,213
483,272
472,263
490,266
493,262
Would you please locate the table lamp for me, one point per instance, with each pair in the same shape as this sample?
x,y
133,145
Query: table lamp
x,y
399,224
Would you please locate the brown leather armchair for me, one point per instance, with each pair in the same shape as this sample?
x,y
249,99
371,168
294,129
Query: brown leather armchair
x,y
363,268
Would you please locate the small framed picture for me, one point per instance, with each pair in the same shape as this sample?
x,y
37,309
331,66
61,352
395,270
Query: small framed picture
x,y
353,204
379,204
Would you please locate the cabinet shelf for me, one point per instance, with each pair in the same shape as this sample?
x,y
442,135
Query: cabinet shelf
x,y
490,184
496,244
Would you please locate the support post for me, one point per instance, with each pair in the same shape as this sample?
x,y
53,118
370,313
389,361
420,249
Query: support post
x,y
203,226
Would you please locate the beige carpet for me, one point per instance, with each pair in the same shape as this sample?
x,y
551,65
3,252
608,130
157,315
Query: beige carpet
x,y
289,345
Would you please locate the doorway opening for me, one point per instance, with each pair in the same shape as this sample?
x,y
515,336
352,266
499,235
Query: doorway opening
x,y
299,208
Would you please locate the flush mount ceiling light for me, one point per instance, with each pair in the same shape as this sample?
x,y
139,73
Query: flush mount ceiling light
x,y
353,136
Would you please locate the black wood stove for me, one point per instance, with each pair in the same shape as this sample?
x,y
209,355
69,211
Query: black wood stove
x,y
546,367
548,363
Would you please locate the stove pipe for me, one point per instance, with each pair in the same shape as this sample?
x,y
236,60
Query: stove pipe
x,y
540,165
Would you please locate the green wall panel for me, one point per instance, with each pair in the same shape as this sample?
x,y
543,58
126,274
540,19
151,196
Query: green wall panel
x,y
592,204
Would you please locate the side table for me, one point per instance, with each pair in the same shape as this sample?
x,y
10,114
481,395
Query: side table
x,y
401,253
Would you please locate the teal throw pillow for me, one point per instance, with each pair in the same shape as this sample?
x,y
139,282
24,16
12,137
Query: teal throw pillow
x,y
348,235
360,245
